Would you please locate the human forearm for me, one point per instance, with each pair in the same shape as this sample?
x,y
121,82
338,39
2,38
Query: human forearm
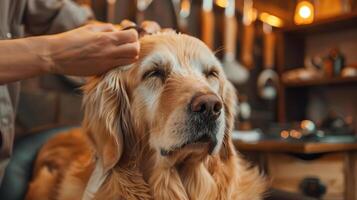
x,y
23,58
89,50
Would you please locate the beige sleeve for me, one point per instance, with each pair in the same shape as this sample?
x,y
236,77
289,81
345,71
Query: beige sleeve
x,y
54,16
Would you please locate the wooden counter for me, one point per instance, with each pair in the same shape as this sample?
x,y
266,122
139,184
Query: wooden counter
x,y
294,147
336,169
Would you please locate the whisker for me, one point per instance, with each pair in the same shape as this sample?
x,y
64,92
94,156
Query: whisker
x,y
218,50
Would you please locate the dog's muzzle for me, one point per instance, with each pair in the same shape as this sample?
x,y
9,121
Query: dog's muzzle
x,y
202,122
204,112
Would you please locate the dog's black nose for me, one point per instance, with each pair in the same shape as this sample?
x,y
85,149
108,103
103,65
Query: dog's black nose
x,y
207,104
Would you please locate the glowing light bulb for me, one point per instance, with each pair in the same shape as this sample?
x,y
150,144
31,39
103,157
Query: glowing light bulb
x,y
305,12
284,134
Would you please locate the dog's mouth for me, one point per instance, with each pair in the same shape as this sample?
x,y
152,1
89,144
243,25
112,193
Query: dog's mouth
x,y
201,143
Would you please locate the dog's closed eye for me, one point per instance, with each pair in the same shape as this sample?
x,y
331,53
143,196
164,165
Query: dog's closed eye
x,y
155,73
212,73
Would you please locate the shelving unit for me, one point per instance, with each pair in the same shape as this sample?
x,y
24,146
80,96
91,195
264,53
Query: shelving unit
x,y
291,47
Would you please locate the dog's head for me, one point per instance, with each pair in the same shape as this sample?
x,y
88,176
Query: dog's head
x,y
175,97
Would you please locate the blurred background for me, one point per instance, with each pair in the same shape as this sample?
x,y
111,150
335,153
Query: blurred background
x,y
294,64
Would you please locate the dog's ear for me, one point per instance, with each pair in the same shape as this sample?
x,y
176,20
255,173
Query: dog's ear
x,y
107,117
231,108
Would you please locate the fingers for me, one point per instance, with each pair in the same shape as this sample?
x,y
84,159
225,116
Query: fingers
x,y
126,23
149,27
128,50
123,37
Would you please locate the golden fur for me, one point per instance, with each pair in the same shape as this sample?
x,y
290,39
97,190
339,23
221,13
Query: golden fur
x,y
128,119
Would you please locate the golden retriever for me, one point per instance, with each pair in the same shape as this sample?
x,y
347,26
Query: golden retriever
x,y
160,129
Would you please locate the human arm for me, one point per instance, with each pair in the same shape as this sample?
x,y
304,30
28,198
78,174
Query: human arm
x,y
89,50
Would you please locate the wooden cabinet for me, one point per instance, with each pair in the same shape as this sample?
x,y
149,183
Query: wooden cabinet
x,y
287,173
286,164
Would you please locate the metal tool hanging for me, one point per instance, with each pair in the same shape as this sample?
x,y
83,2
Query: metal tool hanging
x,y
141,6
182,11
235,71
268,80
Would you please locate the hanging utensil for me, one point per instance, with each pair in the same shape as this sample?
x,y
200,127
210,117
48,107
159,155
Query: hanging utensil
x,y
141,6
185,12
249,16
182,12
268,79
235,72
208,23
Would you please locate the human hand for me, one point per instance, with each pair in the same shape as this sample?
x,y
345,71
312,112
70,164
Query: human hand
x,y
92,49
147,27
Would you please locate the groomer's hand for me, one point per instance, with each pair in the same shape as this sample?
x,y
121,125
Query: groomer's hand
x,y
92,49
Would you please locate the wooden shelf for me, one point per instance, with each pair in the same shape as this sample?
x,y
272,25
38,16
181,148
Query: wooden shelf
x,y
339,22
293,147
322,82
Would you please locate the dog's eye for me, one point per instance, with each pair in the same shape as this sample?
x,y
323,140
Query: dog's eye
x,y
160,73
212,73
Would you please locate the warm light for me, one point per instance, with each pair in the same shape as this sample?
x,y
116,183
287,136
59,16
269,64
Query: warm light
x,y
249,13
271,19
349,119
221,3
284,134
304,13
307,125
295,134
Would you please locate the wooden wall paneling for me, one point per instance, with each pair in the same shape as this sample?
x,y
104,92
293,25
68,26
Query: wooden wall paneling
x,y
353,5
290,55
350,176
294,51
162,12
296,101
280,64
344,40
125,9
